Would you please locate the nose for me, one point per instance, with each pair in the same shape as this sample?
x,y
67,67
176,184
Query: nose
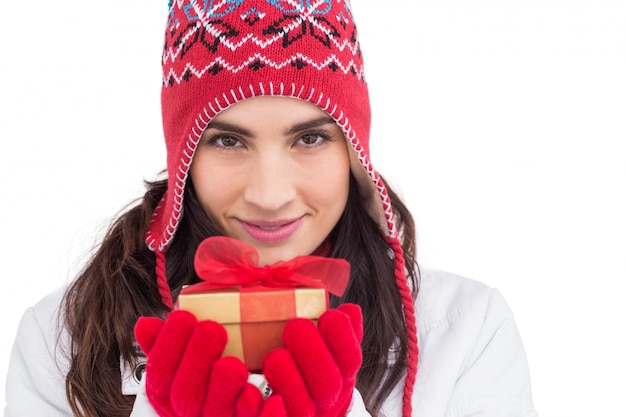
x,y
270,184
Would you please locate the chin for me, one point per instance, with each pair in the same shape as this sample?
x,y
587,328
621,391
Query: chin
x,y
269,256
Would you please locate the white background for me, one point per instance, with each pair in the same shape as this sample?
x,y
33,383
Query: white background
x,y
501,122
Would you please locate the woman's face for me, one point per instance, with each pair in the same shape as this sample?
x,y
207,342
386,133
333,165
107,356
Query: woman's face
x,y
273,172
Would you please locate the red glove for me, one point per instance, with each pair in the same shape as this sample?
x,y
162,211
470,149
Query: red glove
x,y
315,373
186,376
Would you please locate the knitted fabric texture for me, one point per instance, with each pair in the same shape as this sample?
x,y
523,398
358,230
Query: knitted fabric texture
x,y
219,52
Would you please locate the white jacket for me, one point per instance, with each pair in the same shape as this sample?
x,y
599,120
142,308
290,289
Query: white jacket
x,y
471,361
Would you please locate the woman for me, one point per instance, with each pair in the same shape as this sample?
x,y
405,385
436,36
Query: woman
x,y
266,119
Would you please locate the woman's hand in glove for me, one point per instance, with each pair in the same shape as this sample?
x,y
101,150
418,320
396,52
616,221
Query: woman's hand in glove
x,y
186,376
315,373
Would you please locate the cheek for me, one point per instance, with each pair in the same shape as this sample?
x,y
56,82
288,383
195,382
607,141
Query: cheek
x,y
215,189
332,182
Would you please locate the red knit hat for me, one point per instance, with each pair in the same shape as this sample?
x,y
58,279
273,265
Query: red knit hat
x,y
219,52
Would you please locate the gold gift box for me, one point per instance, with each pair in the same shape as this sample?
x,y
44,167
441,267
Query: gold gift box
x,y
254,317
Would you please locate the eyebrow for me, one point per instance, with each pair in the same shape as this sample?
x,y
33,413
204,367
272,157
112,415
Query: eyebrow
x,y
228,127
298,127
310,124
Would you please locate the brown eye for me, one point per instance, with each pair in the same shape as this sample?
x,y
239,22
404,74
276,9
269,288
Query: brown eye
x,y
224,141
228,141
311,139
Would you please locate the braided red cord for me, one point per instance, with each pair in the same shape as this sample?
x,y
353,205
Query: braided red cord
x,y
409,318
164,288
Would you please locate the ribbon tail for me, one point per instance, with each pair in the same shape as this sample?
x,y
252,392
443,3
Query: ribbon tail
x,y
332,273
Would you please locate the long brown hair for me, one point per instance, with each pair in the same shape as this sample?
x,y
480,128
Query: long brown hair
x,y
118,285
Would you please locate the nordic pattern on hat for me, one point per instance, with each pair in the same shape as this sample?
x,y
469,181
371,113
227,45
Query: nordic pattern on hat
x,y
208,24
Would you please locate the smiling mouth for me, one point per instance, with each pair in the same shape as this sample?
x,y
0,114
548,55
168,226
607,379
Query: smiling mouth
x,y
267,232
269,227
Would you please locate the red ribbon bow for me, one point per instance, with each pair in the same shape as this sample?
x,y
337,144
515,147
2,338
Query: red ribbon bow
x,y
224,262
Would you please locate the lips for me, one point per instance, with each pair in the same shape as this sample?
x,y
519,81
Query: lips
x,y
271,231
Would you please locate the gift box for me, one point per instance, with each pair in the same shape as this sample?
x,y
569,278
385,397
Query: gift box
x,y
255,302
254,317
